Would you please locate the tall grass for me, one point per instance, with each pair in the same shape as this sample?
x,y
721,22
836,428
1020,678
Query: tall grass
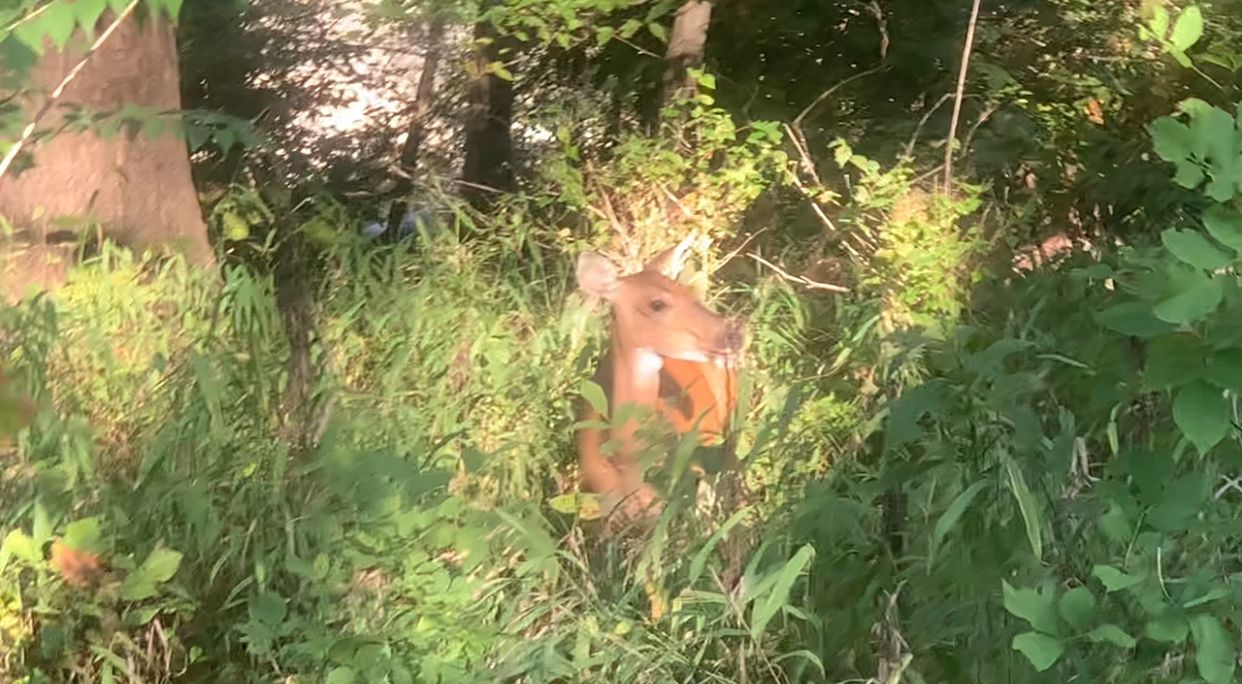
x,y
412,542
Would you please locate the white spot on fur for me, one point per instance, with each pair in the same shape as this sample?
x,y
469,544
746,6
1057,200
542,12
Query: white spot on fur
x,y
648,363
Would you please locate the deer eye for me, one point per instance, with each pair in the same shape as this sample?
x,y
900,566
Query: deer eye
x,y
658,305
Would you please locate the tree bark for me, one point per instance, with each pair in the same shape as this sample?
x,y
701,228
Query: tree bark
x,y
488,165
685,48
407,164
136,189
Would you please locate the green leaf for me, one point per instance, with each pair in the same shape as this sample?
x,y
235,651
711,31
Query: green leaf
x,y
1214,651
1171,139
138,587
905,413
18,544
1077,607
1202,414
268,607
594,394
604,34
1194,249
1133,318
1170,629
1175,360
1224,224
658,30
161,565
1036,607
1198,295
1114,579
1041,650
1224,369
1027,505
84,535
143,582
342,675
763,611
89,12
1111,634
58,22
565,503
950,517
1188,29
629,28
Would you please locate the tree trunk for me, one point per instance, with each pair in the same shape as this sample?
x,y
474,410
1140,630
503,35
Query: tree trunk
x,y
489,145
685,48
135,189
408,162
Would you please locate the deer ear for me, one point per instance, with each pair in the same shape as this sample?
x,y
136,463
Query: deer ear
x,y
671,261
597,275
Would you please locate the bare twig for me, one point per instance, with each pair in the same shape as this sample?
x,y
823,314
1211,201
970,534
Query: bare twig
x,y
797,122
882,24
801,280
29,130
957,99
923,122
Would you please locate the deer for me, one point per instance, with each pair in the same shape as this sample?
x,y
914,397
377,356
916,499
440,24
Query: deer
x,y
669,357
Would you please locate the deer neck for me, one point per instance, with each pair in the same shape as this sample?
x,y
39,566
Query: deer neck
x,y
635,381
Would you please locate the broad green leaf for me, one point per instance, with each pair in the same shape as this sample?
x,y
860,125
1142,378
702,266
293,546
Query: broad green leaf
x,y
1133,318
20,545
1034,606
1041,650
1111,634
138,587
1114,579
58,22
1170,629
89,12
84,535
766,608
1214,595
1194,249
950,517
594,394
161,565
1214,651
904,414
268,607
1197,296
658,30
1027,505
1188,28
1174,360
1077,607
1202,414
604,34
1224,224
565,503
1171,139
342,675
1180,502
1224,369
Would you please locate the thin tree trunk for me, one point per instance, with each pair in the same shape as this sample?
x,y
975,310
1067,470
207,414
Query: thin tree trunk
x,y
685,48
488,166
957,99
407,165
